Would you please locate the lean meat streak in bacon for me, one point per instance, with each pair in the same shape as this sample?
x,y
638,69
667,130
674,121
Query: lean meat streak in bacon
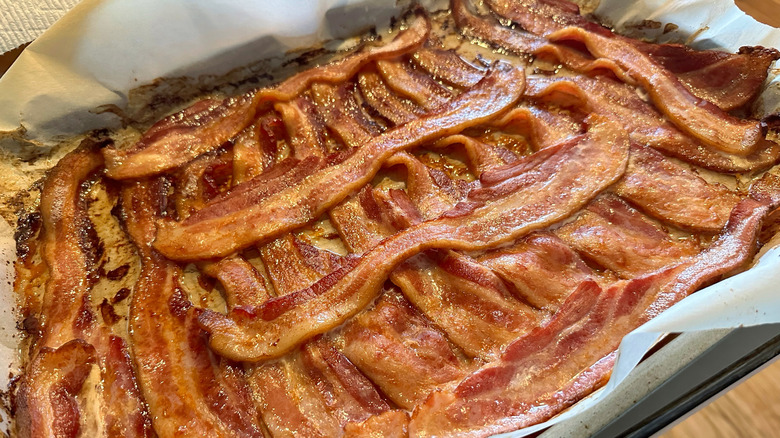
x,y
426,237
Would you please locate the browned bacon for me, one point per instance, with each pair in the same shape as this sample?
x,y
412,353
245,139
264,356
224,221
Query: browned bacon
x,y
448,66
576,347
675,193
619,238
255,148
305,129
342,115
223,234
316,390
416,86
68,321
698,117
46,404
208,124
384,101
542,269
727,80
188,389
243,285
391,340
645,125
508,208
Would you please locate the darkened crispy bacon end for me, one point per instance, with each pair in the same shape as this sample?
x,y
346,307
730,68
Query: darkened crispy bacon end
x,y
492,235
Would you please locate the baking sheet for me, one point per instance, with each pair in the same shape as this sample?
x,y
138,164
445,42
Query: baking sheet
x,y
54,87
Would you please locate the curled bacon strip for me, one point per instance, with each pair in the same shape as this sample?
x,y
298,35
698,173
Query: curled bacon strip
x,y
184,384
222,234
646,125
69,331
46,403
576,347
700,118
208,124
510,205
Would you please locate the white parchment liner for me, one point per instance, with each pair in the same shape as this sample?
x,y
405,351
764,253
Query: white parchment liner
x,y
104,48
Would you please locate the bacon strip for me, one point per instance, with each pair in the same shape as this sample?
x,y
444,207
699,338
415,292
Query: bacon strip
x,y
466,300
208,124
407,344
255,148
448,66
342,114
494,214
315,391
386,103
727,80
700,118
297,205
542,268
416,86
623,240
185,385
46,404
69,327
645,125
513,392
674,193
305,130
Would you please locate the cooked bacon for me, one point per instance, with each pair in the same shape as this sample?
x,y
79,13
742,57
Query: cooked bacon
x,y
316,390
432,192
46,404
391,341
286,209
65,223
200,180
243,285
572,354
481,156
645,125
543,269
208,124
384,101
341,113
498,212
305,129
523,43
698,117
623,240
420,88
448,66
255,148
187,387
730,81
468,301
543,127
390,424
69,325
727,80
674,193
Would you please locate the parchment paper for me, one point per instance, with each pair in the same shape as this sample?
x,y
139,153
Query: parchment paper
x,y
103,48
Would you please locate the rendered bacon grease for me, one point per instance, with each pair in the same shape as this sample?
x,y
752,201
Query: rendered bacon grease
x,y
446,232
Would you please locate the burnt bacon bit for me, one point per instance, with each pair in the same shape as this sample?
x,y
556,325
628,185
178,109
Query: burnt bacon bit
x,y
297,205
209,123
118,273
27,229
495,214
